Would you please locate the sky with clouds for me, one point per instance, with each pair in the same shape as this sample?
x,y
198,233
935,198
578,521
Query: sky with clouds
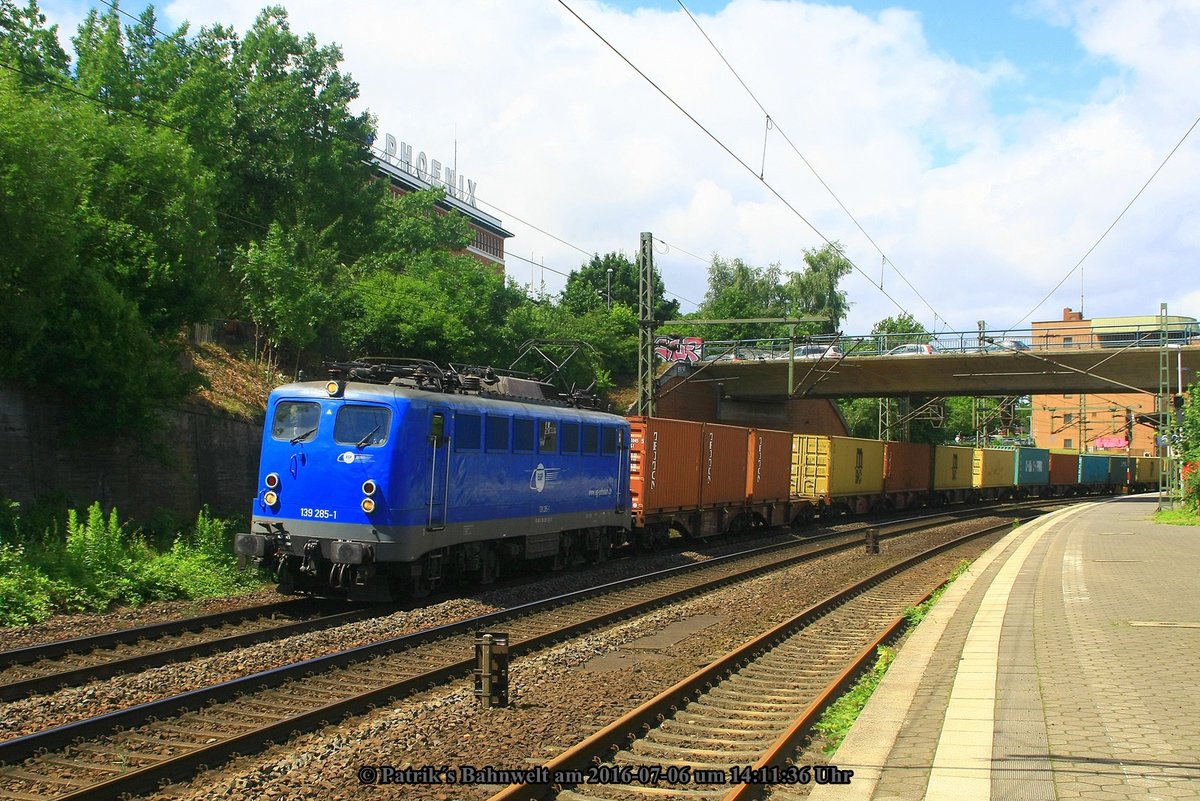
x,y
967,156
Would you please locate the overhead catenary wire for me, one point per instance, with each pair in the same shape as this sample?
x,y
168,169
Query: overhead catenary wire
x,y
773,124
721,144
1112,225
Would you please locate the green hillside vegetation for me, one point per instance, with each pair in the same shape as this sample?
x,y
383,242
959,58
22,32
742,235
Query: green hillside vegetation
x,y
156,180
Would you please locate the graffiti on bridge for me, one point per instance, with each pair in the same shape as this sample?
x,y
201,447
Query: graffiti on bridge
x,y
678,349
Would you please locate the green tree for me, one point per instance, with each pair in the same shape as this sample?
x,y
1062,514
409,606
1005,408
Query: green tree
x,y
892,331
737,290
814,291
286,279
613,276
29,47
297,154
1189,446
611,337
39,193
410,296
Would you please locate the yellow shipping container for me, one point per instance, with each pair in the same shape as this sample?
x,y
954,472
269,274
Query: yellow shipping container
x,y
993,467
1148,469
952,467
835,466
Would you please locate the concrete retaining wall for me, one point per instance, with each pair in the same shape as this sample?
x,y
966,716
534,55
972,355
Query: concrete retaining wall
x,y
196,458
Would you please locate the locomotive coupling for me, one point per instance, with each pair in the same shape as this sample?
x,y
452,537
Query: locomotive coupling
x,y
252,545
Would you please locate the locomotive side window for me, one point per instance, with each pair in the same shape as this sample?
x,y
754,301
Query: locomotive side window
x,y
591,440
523,435
363,426
570,437
296,421
497,433
609,441
468,432
547,436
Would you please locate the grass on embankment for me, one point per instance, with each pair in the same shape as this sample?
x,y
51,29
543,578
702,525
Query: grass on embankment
x,y
836,721
1177,517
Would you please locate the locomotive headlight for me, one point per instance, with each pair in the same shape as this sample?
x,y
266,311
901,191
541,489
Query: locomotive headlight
x,y
367,505
270,498
369,487
334,388
272,481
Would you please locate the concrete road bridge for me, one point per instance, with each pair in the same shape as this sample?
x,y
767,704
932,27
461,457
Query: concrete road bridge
x,y
1040,371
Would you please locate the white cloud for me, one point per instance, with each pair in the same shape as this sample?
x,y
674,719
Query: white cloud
x,y
984,213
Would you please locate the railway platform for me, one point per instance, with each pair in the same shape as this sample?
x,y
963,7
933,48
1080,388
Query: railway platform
x,y
1064,664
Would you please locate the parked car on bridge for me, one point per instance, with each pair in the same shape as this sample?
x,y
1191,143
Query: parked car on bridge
x,y
816,352
912,349
1003,345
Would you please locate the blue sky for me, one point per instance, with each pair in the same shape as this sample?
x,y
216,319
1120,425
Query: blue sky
x,y
982,148
1053,71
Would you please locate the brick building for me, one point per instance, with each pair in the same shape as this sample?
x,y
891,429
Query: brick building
x,y
405,174
1103,422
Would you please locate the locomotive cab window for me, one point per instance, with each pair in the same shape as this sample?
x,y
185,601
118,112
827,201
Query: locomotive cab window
x,y
609,441
296,421
468,432
547,436
362,426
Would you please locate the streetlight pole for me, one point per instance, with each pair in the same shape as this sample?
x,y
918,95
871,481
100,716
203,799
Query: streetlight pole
x,y
608,294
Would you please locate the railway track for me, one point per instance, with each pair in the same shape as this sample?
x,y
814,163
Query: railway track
x,y
50,666
170,738
729,730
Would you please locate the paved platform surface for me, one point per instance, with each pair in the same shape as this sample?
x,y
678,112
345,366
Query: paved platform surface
x,y
1065,664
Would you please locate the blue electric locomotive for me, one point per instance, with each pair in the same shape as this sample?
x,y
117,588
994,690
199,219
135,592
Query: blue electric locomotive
x,y
390,479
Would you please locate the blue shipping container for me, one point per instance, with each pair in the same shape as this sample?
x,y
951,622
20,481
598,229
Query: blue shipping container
x,y
1118,467
1093,469
1032,467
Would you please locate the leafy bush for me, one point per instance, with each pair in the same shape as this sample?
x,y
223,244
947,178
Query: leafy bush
x,y
1191,485
97,563
25,592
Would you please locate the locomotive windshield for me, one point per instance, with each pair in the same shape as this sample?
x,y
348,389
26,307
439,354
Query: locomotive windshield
x,y
296,421
363,426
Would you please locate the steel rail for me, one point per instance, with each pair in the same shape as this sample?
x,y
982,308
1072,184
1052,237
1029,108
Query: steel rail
x,y
629,726
92,642
144,661
140,780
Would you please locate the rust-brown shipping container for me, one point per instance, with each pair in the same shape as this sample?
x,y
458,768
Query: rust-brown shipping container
x,y
908,467
768,468
664,464
825,466
1064,468
952,467
723,469
993,467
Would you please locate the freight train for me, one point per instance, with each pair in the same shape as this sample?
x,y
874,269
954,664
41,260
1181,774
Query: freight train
x,y
395,477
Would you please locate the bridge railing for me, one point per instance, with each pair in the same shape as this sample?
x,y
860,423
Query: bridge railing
x,y
1080,336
